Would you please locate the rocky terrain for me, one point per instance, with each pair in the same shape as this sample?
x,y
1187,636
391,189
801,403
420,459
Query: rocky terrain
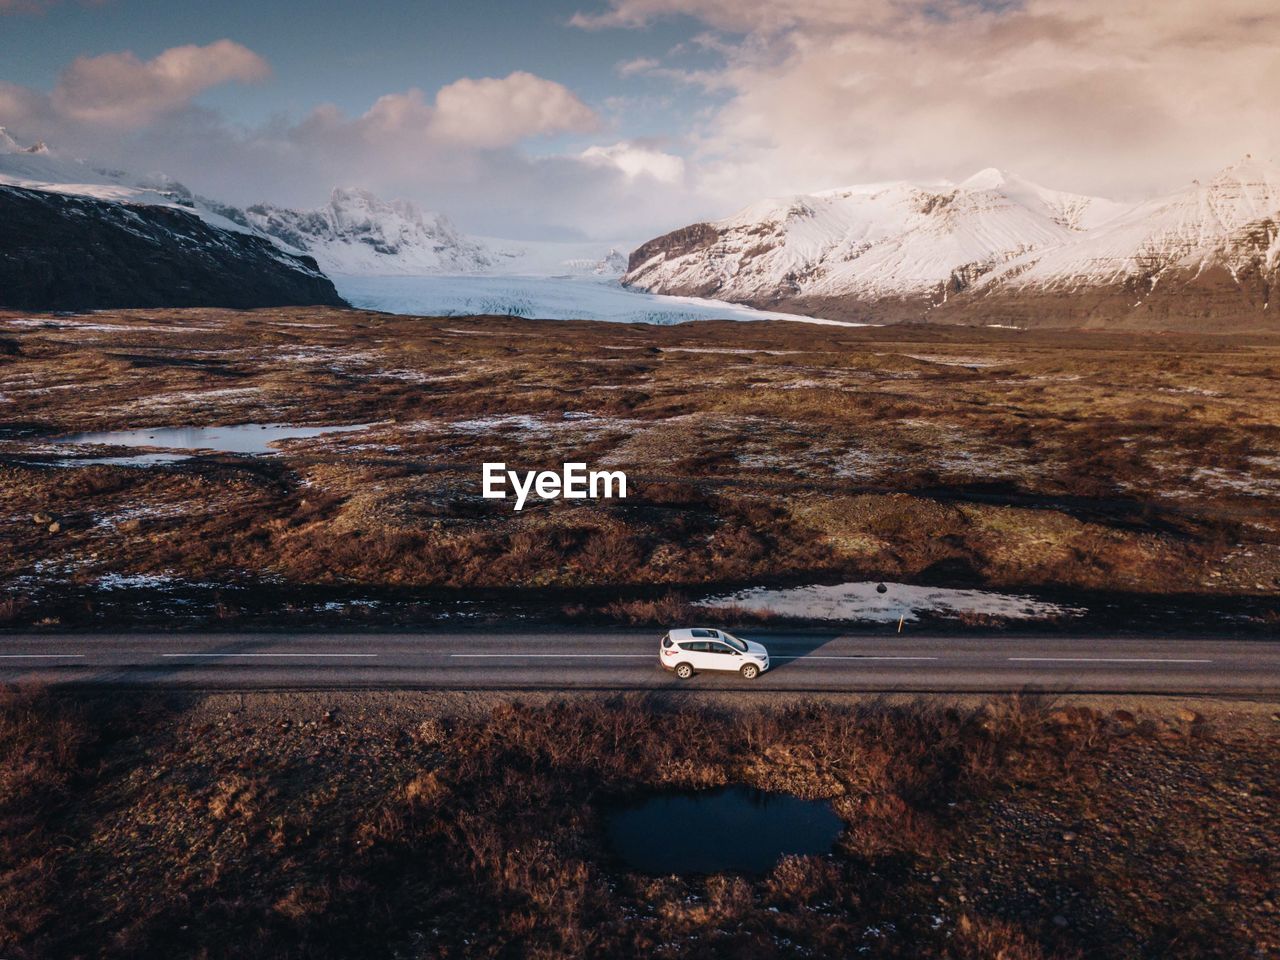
x,y
1128,475
994,249
66,252
417,825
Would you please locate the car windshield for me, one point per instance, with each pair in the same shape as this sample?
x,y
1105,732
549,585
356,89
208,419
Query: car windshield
x,y
734,641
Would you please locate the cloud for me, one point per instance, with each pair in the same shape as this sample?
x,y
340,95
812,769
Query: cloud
x,y
19,104
1122,98
120,90
457,150
468,114
637,66
636,160
490,112
741,15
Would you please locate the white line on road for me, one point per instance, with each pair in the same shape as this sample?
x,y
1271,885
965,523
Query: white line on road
x,y
1105,660
555,656
184,655
800,658
41,656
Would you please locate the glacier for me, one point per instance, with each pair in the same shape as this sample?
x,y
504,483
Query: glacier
x,y
563,297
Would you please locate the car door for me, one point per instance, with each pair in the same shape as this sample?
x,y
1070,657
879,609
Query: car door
x,y
721,656
699,656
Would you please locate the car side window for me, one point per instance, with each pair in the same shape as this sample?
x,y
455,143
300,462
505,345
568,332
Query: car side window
x,y
720,648
694,647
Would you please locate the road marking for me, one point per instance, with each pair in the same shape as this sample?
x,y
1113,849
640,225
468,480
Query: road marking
x,y
1105,660
647,656
854,657
268,654
40,656
554,656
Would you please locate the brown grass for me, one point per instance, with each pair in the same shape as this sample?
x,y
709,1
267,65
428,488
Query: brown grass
x,y
1135,464
333,832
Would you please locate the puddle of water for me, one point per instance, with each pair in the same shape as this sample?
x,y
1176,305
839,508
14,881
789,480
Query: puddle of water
x,y
864,601
732,829
254,438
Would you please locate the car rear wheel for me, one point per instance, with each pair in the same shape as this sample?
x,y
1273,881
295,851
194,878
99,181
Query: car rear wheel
x,y
684,671
750,671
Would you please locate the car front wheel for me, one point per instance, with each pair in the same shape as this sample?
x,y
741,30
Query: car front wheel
x,y
684,671
750,671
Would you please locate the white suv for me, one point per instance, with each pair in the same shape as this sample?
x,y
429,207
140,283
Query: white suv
x,y
687,650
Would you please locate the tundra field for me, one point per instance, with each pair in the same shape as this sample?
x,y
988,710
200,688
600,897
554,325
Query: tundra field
x,y
416,825
1134,478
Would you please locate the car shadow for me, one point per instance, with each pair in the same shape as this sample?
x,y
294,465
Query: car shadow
x,y
786,649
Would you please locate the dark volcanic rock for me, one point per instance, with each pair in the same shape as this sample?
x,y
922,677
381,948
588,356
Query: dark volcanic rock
x,y
62,252
674,244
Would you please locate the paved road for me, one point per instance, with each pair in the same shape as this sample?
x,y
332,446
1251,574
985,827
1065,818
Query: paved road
x,y
627,659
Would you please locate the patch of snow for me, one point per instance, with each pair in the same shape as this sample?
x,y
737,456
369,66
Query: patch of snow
x,y
253,438
72,324
949,361
730,351
135,581
862,601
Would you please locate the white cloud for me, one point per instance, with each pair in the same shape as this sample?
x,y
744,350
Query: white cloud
x,y
637,66
491,112
19,104
119,89
637,160
469,114
1113,96
457,150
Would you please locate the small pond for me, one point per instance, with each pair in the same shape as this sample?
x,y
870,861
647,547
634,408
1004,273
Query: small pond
x,y
737,829
254,438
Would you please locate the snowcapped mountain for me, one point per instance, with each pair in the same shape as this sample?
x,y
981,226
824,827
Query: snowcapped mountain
x,y
72,237
359,233
903,242
39,168
994,248
1228,222
355,234
556,258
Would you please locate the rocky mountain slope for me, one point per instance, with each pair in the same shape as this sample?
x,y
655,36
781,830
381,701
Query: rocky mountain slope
x,y
73,237
993,249
1203,257
68,252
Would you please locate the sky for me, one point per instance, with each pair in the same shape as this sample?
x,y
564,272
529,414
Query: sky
x,y
621,119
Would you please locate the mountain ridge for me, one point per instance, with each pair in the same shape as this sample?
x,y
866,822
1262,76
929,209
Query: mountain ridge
x,y
994,244
73,252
